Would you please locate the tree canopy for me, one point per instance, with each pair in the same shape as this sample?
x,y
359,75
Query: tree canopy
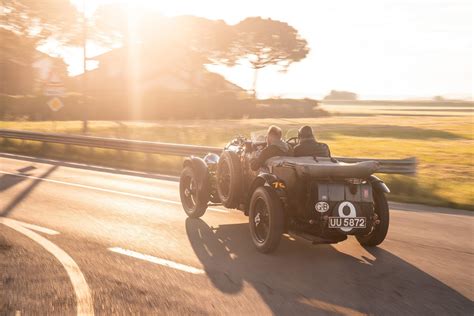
x,y
41,20
24,25
114,25
267,42
341,95
260,42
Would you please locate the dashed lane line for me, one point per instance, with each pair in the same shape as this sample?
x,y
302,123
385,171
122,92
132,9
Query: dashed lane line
x,y
81,289
107,190
160,261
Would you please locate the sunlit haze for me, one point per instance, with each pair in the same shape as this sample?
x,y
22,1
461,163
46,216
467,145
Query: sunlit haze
x,y
236,157
378,49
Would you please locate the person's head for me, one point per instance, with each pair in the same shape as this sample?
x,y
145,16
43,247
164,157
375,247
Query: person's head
x,y
305,132
273,134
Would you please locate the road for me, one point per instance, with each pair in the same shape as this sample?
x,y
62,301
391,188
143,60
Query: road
x,y
79,239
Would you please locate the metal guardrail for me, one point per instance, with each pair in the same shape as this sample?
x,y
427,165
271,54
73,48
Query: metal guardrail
x,y
392,166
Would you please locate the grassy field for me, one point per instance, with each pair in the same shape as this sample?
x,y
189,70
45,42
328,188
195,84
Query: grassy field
x,y
443,145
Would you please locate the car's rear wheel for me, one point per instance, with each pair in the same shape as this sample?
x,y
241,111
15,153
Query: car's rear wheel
x,y
379,232
229,179
266,219
194,195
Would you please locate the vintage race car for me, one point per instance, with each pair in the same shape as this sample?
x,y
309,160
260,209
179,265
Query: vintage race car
x,y
319,199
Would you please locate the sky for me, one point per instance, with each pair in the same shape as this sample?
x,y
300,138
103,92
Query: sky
x,y
380,49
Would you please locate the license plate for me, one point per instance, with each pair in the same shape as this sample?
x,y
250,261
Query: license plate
x,y
347,222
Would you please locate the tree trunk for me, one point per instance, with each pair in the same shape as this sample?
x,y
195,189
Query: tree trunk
x,y
254,83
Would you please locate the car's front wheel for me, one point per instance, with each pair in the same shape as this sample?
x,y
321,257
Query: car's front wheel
x,y
378,233
194,195
266,219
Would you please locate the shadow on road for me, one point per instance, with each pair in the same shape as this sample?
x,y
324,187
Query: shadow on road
x,y
303,279
7,180
24,194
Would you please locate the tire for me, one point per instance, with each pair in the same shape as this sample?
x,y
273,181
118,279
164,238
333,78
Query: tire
x,y
266,238
229,179
193,199
378,234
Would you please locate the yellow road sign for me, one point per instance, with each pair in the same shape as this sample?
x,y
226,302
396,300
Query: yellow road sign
x,y
55,104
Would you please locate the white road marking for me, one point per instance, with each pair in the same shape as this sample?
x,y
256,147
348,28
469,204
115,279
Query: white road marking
x,y
40,229
81,289
160,261
107,190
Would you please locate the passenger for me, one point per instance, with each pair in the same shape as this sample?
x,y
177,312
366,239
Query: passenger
x,y
308,146
275,147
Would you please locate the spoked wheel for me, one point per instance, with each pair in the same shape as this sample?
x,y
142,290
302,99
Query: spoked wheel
x,y
224,180
266,219
194,198
379,232
229,179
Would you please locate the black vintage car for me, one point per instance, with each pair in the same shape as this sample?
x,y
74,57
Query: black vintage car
x,y
319,199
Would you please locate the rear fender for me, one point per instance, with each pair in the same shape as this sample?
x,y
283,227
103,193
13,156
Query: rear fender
x,y
378,185
261,180
267,178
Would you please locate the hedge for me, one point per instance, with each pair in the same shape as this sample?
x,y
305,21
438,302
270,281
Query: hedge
x,y
153,106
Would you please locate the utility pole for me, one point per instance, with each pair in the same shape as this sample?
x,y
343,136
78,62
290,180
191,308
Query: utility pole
x,y
84,67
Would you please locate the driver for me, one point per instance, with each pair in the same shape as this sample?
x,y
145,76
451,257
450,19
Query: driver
x,y
308,146
275,147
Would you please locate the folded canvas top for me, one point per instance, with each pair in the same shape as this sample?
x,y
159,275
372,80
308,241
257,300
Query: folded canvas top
x,y
324,167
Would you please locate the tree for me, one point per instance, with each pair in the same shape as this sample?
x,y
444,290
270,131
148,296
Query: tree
x,y
25,25
260,42
15,47
341,95
116,26
265,42
41,20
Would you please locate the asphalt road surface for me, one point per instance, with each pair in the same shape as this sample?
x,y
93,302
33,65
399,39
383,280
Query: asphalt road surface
x,y
78,239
